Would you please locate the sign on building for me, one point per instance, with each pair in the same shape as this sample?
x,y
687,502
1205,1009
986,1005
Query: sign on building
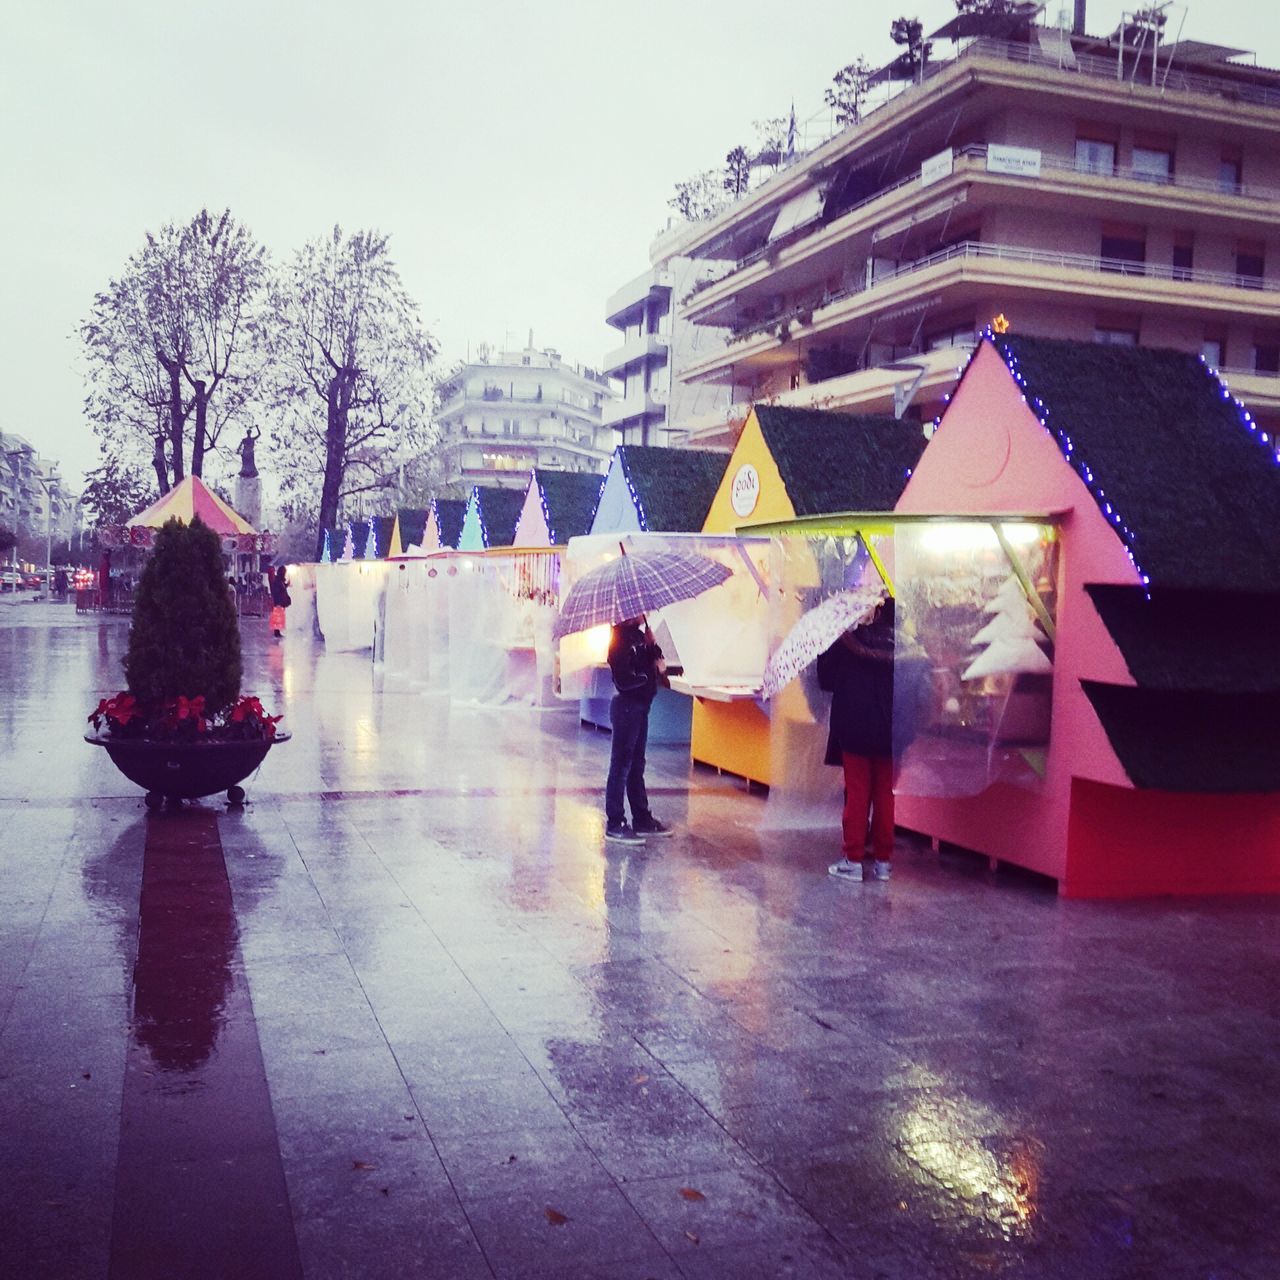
x,y
1020,162
935,168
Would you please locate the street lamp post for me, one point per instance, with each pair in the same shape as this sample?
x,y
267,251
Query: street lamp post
x,y
49,484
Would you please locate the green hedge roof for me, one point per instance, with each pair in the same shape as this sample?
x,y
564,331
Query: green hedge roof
x,y
1171,458
499,514
413,526
450,513
673,487
833,462
570,499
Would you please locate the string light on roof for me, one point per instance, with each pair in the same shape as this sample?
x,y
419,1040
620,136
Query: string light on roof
x,y
1067,446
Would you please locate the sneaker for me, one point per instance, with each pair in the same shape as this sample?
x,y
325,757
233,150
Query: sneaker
x,y
845,870
623,834
652,827
881,870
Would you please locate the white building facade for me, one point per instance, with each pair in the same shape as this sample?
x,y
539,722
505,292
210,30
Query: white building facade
x,y
35,502
506,413
653,401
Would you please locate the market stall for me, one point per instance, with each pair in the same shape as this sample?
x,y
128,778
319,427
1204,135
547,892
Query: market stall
x,y
1088,553
490,518
649,489
558,505
788,463
444,524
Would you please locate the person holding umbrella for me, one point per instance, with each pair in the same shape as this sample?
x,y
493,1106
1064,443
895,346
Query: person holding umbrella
x,y
620,593
637,667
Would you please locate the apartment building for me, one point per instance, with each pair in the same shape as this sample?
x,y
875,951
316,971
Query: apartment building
x,y
508,412
1075,185
652,345
34,499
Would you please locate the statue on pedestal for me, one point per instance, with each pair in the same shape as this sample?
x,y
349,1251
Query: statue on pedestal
x,y
248,463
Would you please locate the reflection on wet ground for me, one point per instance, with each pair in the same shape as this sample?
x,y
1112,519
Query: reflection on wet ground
x,y
409,1000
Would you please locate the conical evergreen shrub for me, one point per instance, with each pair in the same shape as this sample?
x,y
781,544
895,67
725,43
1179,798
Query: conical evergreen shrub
x,y
185,639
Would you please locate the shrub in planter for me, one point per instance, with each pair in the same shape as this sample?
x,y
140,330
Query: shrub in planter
x,y
185,639
183,665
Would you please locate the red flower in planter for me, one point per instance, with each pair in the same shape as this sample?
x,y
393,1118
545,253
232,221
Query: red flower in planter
x,y
183,713
117,711
252,715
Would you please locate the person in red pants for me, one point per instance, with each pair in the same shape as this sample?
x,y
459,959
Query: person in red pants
x,y
858,672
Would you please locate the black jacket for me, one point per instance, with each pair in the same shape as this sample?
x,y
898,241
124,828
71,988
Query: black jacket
x,y
633,663
861,683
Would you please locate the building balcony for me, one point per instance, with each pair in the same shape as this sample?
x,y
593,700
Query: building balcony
x,y
621,305
646,348
632,408
1235,97
970,272
1063,186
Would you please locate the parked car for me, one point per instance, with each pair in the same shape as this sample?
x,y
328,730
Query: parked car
x,y
10,580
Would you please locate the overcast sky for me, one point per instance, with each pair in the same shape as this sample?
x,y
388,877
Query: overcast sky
x,y
520,155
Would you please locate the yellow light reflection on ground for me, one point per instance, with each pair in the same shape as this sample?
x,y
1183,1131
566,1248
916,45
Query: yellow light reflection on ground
x,y
944,1137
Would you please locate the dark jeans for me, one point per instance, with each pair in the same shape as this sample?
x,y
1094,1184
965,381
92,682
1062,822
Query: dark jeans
x,y
630,720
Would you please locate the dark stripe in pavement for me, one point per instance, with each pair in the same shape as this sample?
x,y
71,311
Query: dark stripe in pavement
x,y
200,1190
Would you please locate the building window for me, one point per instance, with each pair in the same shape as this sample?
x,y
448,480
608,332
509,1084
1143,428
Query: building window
x,y
1250,264
1116,337
1183,256
1152,165
1124,250
1230,173
960,336
1095,157
1266,358
1211,349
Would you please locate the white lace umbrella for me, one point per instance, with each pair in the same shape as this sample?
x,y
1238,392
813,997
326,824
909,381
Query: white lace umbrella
x,y
817,631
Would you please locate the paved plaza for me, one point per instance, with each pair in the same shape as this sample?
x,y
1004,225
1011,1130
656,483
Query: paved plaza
x,y
407,1015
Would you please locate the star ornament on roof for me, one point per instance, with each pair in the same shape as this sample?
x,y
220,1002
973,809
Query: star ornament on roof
x,y
1000,324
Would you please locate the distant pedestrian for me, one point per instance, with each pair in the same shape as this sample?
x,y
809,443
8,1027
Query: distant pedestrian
x,y
858,672
280,600
104,579
637,667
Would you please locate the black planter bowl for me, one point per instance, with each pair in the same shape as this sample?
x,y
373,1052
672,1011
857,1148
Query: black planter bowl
x,y
178,771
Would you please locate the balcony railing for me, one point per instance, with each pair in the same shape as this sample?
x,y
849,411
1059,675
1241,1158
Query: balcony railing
x,y
970,249
1058,164
1088,64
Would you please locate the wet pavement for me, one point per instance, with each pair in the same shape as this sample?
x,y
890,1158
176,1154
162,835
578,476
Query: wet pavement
x,y
407,1015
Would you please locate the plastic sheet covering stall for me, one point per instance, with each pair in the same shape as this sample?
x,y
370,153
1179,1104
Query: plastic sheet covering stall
x,y
805,793
501,609
721,637
404,618
301,618
348,600
978,600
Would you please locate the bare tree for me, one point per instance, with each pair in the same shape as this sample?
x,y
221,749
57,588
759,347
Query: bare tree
x,y
699,197
771,141
351,373
848,91
172,344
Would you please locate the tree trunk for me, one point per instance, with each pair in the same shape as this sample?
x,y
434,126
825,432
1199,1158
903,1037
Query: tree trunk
x,y
177,419
161,470
335,456
198,445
